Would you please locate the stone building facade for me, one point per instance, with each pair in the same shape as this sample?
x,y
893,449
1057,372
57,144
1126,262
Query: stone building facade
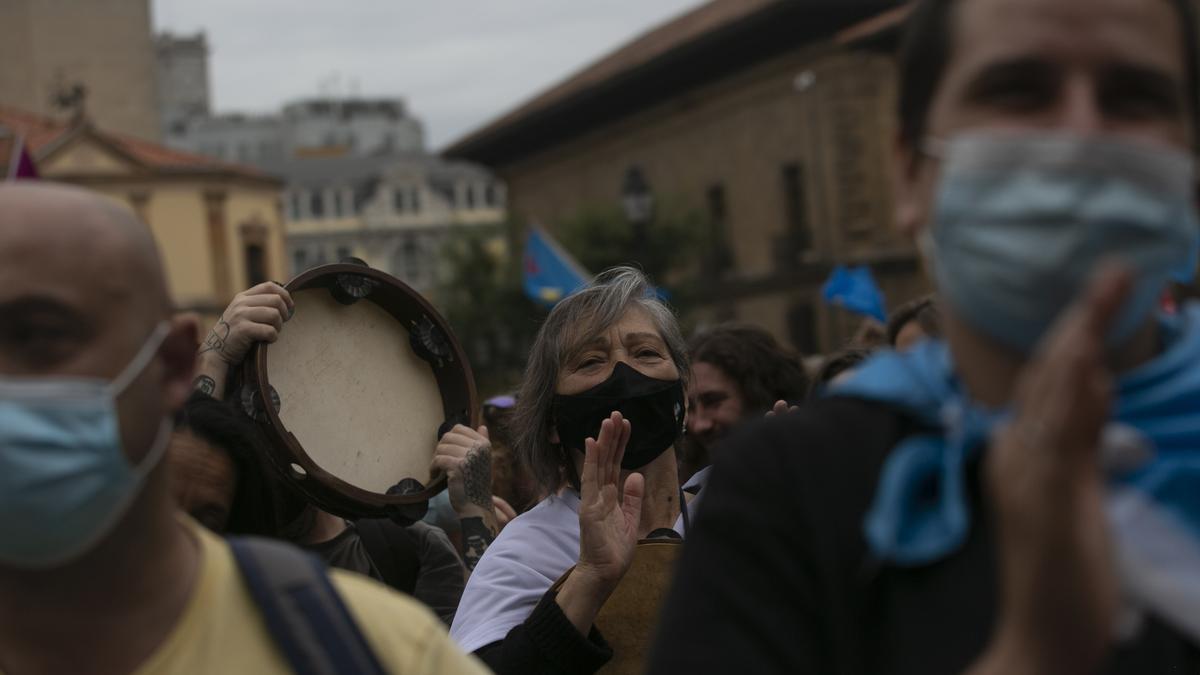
x,y
772,118
395,212
317,127
49,47
183,84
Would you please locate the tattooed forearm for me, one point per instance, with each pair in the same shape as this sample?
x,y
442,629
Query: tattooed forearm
x,y
477,476
205,385
476,537
215,342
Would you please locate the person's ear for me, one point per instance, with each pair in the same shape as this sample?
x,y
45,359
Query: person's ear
x,y
179,359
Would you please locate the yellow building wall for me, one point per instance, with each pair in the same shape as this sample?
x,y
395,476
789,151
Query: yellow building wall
x,y
177,210
84,158
176,216
247,206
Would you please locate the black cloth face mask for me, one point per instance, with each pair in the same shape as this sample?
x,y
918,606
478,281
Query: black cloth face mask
x,y
653,407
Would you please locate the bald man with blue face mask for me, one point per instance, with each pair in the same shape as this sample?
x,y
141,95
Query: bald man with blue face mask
x,y
98,571
1021,497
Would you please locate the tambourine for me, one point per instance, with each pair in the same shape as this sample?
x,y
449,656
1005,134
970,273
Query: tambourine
x,y
364,378
629,617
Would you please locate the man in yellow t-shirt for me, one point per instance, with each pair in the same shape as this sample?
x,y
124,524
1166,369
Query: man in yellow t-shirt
x,y
221,631
98,575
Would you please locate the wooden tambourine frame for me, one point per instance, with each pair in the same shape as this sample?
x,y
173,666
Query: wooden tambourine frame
x,y
349,283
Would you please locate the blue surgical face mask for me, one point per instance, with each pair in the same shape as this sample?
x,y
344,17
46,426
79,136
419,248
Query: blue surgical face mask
x,y
64,478
1022,221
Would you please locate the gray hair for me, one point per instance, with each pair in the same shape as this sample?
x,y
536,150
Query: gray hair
x,y
571,324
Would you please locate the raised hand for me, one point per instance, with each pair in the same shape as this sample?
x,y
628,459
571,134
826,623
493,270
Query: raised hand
x,y
254,315
1060,595
465,456
781,408
609,515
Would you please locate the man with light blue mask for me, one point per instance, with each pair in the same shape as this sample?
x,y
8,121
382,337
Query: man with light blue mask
x,y
98,571
1022,497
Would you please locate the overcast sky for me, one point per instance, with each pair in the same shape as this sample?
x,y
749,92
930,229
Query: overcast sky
x,y
458,63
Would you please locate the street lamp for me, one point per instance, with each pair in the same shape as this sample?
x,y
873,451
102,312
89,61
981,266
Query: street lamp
x,y
638,202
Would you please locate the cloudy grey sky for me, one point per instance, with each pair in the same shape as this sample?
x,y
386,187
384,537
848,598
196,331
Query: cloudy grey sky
x,y
459,63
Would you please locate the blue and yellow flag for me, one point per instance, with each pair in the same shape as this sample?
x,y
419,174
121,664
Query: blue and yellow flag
x,y
551,274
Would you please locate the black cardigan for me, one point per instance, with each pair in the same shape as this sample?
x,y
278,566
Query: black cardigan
x,y
776,576
546,643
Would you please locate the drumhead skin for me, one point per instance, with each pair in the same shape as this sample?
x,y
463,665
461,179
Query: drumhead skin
x,y
359,401
359,404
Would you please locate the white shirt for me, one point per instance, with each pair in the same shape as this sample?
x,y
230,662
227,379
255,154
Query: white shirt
x,y
530,554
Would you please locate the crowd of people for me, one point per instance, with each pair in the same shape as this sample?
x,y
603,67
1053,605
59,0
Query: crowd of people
x,y
1003,482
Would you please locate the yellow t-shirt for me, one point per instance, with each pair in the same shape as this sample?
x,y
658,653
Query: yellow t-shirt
x,y
222,630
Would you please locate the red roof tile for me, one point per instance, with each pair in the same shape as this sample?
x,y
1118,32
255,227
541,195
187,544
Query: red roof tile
x,y
37,130
40,132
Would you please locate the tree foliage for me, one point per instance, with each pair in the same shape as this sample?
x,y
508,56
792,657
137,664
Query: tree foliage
x,y
600,237
480,294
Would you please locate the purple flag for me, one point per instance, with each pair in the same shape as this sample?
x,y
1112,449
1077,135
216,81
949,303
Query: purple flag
x,y
21,167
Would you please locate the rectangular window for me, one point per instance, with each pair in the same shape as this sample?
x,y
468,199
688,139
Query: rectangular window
x,y
299,261
802,326
296,205
316,204
343,252
412,258
716,204
336,211
719,255
256,265
469,196
399,203
415,200
490,197
795,205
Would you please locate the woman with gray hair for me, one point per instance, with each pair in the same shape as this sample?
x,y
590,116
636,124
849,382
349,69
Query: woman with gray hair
x,y
599,411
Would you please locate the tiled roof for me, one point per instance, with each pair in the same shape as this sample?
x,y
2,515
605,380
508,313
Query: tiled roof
x,y
37,130
641,50
313,172
718,39
41,133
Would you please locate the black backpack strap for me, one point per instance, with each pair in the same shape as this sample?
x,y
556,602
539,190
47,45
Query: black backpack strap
x,y
303,611
393,551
